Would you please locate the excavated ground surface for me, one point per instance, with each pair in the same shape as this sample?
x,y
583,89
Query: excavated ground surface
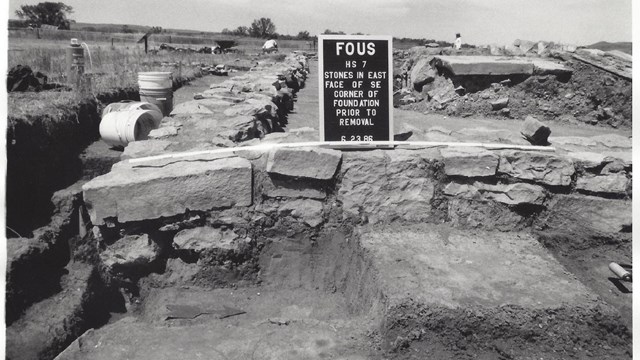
x,y
313,280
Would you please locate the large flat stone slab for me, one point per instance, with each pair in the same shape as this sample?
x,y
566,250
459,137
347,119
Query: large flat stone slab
x,y
540,167
484,65
469,162
576,214
313,163
151,190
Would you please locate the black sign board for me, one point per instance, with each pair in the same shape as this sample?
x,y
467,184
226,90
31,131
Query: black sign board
x,y
356,88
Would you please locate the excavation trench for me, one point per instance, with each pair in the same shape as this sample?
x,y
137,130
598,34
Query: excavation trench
x,y
368,254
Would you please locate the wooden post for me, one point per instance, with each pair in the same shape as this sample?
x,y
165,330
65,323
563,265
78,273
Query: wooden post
x,y
146,46
111,42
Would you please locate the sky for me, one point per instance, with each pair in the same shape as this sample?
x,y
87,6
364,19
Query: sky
x,y
580,22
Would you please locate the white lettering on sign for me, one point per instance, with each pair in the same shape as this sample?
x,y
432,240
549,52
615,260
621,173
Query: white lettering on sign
x,y
361,48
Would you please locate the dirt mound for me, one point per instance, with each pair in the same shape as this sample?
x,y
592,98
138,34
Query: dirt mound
x,y
590,95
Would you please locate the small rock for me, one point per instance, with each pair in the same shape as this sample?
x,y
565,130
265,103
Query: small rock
x,y
500,103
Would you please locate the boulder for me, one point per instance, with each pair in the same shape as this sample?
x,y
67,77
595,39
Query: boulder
x,y
540,167
608,184
313,163
169,187
469,162
526,45
205,238
132,251
422,73
308,210
535,131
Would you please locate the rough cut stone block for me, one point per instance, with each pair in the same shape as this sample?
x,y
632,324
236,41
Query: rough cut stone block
x,y
469,162
535,131
275,188
150,190
510,194
205,238
310,211
513,194
383,187
137,149
314,163
536,166
611,184
586,159
582,213
484,65
130,251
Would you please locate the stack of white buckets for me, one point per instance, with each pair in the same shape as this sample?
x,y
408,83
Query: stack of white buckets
x,y
128,121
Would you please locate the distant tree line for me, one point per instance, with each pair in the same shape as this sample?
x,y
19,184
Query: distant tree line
x,y
45,13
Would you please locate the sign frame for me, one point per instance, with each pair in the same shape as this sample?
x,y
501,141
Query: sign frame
x,y
321,39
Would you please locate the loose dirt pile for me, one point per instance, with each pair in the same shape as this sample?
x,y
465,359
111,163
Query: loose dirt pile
x,y
590,95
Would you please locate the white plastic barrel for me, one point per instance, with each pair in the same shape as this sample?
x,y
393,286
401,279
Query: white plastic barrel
x,y
119,128
134,105
157,88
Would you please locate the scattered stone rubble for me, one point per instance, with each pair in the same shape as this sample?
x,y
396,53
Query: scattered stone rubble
x,y
552,82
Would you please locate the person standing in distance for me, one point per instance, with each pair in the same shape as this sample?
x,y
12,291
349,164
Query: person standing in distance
x,y
458,43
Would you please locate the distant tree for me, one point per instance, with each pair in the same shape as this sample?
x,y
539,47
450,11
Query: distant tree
x,y
262,28
156,30
303,35
242,31
330,32
47,13
125,29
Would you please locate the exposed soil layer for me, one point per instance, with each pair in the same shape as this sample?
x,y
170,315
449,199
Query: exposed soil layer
x,y
44,140
298,273
590,96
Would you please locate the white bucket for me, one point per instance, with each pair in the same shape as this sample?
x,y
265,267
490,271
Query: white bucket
x,y
155,80
119,128
162,98
135,105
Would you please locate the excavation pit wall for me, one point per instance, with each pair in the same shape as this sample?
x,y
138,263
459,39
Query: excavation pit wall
x,y
251,216
42,268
